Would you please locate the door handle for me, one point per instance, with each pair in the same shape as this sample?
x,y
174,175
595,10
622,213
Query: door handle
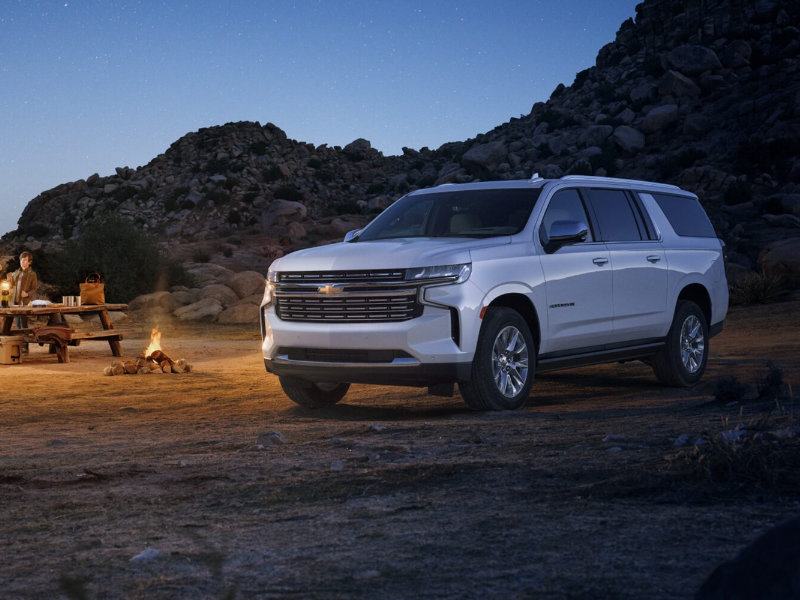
x,y
600,261
654,258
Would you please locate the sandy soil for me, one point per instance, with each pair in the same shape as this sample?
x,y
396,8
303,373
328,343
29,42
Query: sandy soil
x,y
213,485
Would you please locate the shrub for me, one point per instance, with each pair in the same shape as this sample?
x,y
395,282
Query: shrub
x,y
259,148
729,389
770,383
757,288
272,173
128,261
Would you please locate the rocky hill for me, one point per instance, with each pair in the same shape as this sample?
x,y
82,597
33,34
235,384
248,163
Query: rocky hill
x,y
701,93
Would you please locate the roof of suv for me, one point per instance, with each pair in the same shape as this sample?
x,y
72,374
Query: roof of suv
x,y
539,182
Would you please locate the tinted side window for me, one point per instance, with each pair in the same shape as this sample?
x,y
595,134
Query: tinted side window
x,y
685,215
565,205
615,216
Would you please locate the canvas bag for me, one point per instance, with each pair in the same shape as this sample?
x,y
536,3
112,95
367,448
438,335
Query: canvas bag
x,y
93,290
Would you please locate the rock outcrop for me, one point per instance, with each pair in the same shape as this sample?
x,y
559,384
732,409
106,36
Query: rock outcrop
x,y
701,93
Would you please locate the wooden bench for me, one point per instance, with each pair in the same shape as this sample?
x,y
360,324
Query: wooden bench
x,y
61,337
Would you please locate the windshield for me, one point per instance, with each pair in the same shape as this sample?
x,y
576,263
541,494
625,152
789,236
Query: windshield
x,y
464,213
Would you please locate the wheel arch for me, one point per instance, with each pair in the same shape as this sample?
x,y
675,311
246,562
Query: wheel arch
x,y
698,294
523,305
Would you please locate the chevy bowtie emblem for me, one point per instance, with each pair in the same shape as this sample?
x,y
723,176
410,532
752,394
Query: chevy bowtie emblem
x,y
329,289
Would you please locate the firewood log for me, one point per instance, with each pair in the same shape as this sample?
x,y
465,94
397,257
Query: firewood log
x,y
131,368
118,369
108,371
160,357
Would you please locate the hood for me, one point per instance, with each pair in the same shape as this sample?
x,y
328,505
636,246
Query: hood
x,y
400,253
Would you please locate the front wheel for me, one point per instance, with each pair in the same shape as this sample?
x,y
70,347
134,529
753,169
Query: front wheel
x,y
311,394
504,364
683,359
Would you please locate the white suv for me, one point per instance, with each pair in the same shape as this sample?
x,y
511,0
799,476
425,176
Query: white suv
x,y
483,284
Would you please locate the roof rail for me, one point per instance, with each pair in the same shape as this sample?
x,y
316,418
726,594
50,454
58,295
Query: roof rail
x,y
631,182
535,177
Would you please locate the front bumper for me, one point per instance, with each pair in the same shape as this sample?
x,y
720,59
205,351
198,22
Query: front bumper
x,y
409,373
419,352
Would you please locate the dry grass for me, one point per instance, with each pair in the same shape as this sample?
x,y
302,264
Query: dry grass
x,y
393,493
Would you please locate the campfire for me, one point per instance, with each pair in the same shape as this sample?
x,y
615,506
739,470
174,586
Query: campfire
x,y
152,360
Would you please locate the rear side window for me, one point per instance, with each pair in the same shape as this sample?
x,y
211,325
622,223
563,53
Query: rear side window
x,y
685,215
615,216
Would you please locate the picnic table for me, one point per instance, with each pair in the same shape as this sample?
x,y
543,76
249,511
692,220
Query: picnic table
x,y
60,334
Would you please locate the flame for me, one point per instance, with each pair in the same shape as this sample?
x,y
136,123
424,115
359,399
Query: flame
x,y
155,341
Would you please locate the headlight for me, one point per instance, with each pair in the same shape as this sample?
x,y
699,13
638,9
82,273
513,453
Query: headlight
x,y
272,279
449,273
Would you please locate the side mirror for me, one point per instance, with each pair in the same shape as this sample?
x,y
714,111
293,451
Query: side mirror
x,y
564,233
351,235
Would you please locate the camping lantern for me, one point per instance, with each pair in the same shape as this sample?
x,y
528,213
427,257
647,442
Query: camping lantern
x,y
5,292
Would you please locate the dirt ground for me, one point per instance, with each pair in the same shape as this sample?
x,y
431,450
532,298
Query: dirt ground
x,y
213,484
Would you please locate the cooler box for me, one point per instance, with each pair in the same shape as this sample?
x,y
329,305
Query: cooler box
x,y
11,349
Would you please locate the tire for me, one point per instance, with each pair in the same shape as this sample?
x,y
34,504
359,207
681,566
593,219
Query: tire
x,y
313,395
683,359
504,365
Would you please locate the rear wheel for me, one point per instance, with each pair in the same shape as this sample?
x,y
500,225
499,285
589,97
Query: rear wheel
x,y
683,359
313,395
504,364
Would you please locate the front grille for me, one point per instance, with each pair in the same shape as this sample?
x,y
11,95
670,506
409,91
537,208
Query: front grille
x,y
316,307
341,276
346,297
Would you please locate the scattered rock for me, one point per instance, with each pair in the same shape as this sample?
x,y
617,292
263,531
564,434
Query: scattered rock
x,y
767,568
147,555
681,440
273,438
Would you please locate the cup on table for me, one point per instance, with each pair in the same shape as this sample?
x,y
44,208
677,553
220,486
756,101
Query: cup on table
x,y
65,300
77,300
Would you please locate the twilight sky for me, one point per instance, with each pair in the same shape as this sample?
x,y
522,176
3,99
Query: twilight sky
x,y
89,85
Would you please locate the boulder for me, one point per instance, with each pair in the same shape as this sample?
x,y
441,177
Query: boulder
x,y
282,211
660,118
360,149
339,227
205,309
782,258
691,59
643,92
253,299
157,302
696,125
206,273
222,293
244,312
736,54
185,297
628,139
678,86
486,156
595,135
791,203
296,231
247,283
767,568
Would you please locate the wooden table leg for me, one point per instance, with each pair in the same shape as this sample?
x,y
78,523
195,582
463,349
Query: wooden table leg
x,y
7,323
116,347
62,352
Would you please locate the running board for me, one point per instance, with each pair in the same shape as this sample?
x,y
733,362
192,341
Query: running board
x,y
555,363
